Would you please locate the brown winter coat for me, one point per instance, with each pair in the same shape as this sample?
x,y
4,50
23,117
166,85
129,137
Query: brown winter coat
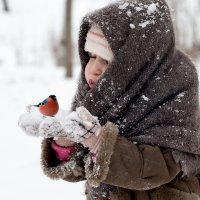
x,y
150,175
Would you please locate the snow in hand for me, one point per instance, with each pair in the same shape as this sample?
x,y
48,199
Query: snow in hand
x,y
76,126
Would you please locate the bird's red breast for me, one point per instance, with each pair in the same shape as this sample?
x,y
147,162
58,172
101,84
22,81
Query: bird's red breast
x,y
50,108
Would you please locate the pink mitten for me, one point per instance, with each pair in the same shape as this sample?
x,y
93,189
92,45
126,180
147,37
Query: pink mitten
x,y
62,153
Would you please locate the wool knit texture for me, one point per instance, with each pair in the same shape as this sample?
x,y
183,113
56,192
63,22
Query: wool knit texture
x,y
97,43
150,90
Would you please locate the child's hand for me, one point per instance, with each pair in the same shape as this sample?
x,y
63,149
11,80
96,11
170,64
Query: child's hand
x,y
64,142
93,142
76,126
31,121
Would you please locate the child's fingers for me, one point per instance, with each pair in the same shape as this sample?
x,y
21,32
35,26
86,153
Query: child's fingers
x,y
51,127
87,119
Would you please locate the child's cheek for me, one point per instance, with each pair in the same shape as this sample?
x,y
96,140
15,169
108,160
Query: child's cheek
x,y
86,74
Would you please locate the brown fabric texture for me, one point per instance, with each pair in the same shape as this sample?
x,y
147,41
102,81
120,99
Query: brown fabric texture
x,y
149,175
97,172
165,193
71,170
140,173
135,174
150,90
172,194
105,192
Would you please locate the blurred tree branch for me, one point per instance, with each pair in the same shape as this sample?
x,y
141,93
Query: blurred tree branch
x,y
68,38
5,6
64,50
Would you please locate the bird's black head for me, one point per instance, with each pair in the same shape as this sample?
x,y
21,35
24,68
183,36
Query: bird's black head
x,y
53,97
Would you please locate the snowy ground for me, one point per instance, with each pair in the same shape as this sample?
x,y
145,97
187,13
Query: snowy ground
x,y
26,31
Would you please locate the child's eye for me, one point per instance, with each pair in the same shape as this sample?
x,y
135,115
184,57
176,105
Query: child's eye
x,y
91,55
105,62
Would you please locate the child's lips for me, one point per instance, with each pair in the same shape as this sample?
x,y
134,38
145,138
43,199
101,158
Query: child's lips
x,y
91,83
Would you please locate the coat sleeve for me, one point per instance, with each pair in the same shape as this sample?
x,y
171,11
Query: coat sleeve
x,y
124,164
71,170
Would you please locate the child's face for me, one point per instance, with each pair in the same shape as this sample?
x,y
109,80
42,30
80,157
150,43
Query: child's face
x,y
94,69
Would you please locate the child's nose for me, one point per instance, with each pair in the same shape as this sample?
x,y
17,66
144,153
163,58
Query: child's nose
x,y
96,68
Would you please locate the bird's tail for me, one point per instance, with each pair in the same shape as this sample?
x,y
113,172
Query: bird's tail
x,y
36,105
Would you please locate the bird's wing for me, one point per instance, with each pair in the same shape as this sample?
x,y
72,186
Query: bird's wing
x,y
44,102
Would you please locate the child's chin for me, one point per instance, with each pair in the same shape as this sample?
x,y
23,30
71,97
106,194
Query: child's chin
x,y
91,85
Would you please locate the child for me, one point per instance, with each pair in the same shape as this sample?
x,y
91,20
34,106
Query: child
x,y
145,94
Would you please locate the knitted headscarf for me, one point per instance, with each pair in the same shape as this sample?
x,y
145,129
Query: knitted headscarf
x,y
150,90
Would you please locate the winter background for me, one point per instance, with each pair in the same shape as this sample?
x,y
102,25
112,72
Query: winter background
x,y
28,74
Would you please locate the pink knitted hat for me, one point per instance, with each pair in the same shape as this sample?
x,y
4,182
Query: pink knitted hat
x,y
96,43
